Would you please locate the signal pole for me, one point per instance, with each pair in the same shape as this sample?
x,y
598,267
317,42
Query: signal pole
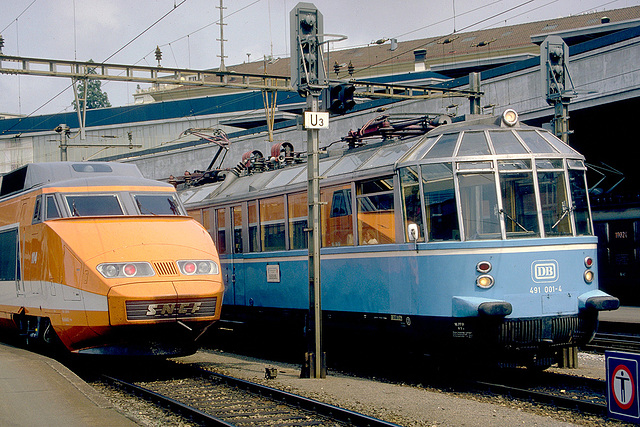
x,y
307,74
554,67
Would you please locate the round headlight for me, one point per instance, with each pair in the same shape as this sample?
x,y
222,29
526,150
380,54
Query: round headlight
x,y
588,276
485,281
111,270
204,267
510,117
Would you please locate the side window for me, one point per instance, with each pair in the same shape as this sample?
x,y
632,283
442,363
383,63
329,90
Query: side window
x,y
272,224
412,206
206,219
221,224
236,211
298,212
337,221
254,240
376,220
52,208
37,211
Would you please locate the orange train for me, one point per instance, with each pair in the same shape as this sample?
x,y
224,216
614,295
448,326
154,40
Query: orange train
x,y
103,261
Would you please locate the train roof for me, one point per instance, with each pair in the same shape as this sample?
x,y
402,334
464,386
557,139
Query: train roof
x,y
476,138
40,174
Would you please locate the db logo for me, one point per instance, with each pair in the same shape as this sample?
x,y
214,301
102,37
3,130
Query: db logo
x,y
544,271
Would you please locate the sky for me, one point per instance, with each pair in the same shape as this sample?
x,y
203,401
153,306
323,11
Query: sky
x,y
187,32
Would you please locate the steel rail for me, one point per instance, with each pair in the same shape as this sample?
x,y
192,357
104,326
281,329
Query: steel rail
x,y
331,411
314,406
584,406
186,410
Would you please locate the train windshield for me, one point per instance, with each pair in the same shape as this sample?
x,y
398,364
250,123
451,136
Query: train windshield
x,y
157,204
115,204
494,184
94,205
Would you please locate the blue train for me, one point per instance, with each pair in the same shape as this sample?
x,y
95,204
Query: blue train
x,y
474,235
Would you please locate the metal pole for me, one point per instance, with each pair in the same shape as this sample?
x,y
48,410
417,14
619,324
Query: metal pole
x,y
474,85
316,359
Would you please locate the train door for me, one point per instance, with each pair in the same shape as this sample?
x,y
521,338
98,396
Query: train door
x,y
10,263
239,238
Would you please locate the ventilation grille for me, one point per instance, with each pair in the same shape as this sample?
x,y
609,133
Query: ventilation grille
x,y
165,268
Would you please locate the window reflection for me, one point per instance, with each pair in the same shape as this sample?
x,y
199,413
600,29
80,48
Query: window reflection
x,y
412,207
298,212
556,216
440,202
479,205
336,215
272,224
376,223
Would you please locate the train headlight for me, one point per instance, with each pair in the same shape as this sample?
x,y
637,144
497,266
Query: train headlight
x,y
510,117
112,270
588,276
485,281
192,267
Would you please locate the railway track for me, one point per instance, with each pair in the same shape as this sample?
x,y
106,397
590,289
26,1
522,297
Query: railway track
x,y
209,398
585,395
614,341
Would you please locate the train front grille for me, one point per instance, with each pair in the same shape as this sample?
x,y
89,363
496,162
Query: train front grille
x,y
552,330
184,309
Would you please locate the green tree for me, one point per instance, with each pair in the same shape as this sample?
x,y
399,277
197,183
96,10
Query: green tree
x,y
96,97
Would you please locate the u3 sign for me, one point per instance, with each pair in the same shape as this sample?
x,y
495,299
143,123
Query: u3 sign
x,y
316,120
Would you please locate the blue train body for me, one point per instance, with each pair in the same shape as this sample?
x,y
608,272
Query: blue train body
x,y
477,234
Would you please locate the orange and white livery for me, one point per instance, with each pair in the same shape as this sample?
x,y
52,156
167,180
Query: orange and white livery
x,y
104,261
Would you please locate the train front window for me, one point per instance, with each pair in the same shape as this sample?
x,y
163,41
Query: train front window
x,y
519,210
94,205
440,202
580,203
555,204
157,204
479,204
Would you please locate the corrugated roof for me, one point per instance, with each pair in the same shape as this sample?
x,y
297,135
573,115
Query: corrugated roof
x,y
464,46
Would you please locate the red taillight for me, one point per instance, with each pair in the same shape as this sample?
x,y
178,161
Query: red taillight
x,y
189,268
129,270
483,267
588,262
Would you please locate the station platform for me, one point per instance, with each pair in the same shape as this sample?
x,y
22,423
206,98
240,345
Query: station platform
x,y
38,391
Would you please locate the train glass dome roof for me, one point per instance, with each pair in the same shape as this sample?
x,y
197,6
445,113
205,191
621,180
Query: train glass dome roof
x,y
483,141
